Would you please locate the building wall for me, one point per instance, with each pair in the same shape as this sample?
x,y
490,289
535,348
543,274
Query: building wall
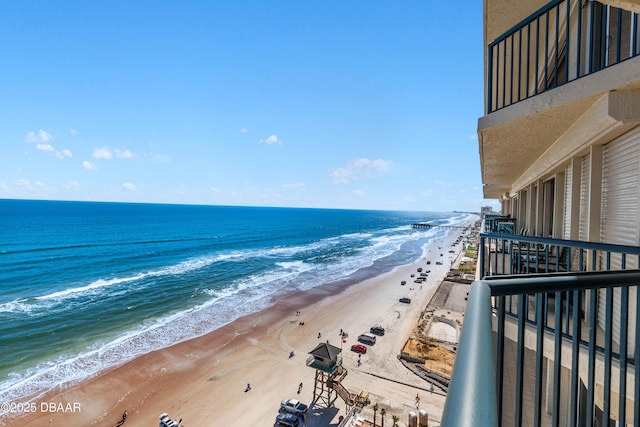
x,y
568,160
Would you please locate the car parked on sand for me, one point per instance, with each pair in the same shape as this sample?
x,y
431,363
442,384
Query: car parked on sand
x,y
359,348
167,421
378,330
367,338
294,406
288,419
405,300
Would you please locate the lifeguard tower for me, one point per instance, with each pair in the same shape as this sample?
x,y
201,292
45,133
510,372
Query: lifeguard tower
x,y
326,359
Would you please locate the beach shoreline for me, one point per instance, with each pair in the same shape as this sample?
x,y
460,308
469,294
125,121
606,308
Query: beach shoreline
x,y
203,380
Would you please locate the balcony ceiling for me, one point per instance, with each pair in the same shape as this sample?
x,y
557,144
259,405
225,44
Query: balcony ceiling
x,y
512,139
508,149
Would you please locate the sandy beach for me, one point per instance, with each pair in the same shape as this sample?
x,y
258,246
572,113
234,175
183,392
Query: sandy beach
x,y
203,381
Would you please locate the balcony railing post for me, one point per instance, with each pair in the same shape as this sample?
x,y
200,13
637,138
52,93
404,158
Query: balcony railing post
x,y
592,358
575,352
520,360
471,399
500,352
557,357
622,390
537,415
489,79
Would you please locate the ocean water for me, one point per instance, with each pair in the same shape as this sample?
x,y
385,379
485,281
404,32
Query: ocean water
x,y
87,286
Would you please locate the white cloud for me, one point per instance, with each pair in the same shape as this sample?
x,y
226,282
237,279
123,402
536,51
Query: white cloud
x,y
271,140
64,153
73,132
244,130
106,153
42,136
102,153
358,193
123,154
361,168
45,147
89,166
127,186
30,186
443,183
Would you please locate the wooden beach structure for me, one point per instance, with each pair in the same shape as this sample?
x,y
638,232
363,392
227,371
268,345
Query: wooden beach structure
x,y
326,359
428,226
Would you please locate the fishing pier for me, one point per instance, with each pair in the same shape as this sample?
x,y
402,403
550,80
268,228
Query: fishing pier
x,y
428,226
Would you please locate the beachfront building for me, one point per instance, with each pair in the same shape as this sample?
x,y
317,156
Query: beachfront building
x,y
559,148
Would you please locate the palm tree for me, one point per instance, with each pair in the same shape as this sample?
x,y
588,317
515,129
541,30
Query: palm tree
x,y
382,414
395,420
375,414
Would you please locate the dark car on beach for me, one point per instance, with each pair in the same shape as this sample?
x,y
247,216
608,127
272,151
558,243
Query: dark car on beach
x,y
405,300
378,330
288,419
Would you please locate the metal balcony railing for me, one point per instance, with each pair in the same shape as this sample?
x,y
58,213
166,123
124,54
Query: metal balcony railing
x,y
563,395
559,347
561,42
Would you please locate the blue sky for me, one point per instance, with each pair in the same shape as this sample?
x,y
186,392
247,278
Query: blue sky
x,y
337,104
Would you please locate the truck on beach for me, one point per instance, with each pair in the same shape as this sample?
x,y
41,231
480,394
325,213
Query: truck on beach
x,y
294,406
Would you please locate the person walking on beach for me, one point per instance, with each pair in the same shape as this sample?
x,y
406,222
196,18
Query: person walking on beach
x,y
299,388
248,388
124,418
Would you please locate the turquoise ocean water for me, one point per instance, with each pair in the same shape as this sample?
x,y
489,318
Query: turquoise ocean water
x,y
87,286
